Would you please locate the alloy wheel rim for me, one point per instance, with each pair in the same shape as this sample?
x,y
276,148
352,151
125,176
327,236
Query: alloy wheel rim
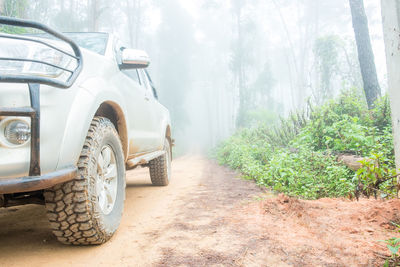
x,y
107,179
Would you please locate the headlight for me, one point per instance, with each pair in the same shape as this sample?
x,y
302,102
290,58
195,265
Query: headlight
x,y
49,56
17,132
27,50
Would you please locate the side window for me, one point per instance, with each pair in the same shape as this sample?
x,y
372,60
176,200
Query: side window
x,y
133,74
153,88
144,81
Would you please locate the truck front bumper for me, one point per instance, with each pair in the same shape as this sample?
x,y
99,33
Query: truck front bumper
x,y
35,183
36,180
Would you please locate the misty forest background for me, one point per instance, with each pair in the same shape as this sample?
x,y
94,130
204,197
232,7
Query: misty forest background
x,y
220,65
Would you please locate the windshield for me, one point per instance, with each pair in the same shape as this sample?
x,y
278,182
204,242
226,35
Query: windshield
x,y
93,41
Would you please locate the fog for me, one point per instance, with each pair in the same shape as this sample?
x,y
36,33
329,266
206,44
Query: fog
x,y
220,65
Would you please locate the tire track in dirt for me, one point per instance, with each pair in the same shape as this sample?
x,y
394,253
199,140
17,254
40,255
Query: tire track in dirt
x,y
208,217
179,224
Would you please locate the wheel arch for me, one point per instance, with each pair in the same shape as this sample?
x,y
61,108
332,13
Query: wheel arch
x,y
115,114
85,106
168,133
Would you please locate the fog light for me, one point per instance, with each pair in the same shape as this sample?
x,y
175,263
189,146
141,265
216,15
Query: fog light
x,y
17,132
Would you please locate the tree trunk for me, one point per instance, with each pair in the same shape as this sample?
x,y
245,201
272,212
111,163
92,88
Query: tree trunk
x,y
130,8
239,71
1,7
138,22
365,55
134,16
94,18
391,30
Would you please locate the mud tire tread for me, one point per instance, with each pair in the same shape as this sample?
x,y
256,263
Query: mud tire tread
x,y
70,209
158,168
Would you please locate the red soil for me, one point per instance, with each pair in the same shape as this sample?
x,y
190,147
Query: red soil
x,y
333,232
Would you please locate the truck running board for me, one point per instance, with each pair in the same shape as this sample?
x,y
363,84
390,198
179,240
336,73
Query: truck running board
x,y
143,159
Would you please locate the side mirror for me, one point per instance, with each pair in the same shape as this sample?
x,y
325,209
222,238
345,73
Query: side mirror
x,y
134,59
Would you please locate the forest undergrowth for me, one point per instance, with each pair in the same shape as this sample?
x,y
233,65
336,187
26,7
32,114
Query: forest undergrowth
x,y
299,155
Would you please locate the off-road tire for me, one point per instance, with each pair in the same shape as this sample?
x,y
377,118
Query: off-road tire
x,y
72,208
160,168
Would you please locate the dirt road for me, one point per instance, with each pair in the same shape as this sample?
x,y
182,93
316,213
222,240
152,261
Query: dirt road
x,y
207,217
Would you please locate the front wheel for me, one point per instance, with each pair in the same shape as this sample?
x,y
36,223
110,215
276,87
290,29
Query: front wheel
x,y
88,209
160,168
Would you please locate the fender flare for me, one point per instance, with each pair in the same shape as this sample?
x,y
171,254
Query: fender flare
x,y
85,108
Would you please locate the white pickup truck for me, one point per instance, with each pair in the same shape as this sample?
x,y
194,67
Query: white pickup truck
x,y
76,111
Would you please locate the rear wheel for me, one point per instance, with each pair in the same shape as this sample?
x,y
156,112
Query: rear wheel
x,y
88,209
160,168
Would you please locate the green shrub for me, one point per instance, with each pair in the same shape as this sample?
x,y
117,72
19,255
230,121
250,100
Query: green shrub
x,y
393,245
308,174
377,176
297,156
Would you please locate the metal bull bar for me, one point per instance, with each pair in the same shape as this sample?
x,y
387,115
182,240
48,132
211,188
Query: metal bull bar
x,y
35,181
